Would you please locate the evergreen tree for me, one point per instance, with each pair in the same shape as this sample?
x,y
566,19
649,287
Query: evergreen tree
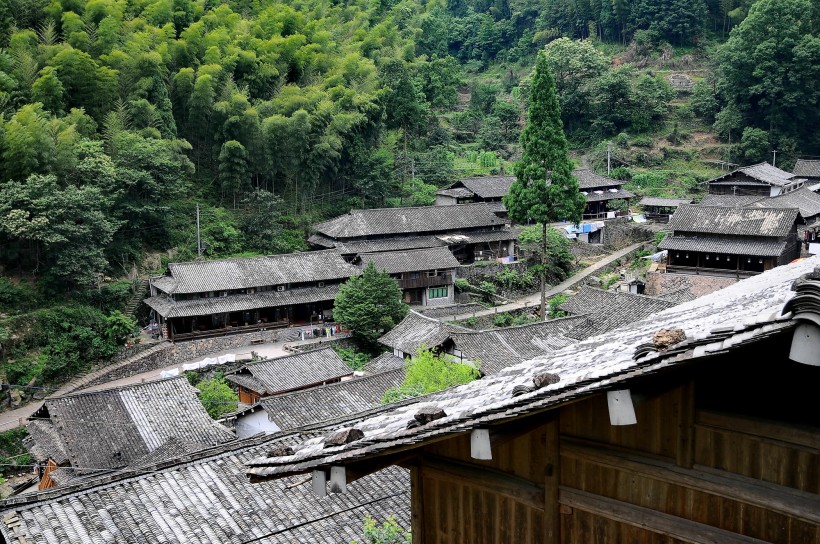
x,y
545,189
370,305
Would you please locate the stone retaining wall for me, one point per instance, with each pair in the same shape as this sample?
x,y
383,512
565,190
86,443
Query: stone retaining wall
x,y
621,232
476,273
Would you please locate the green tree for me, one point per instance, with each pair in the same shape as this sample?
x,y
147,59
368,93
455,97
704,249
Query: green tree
x,y
233,168
389,532
428,373
545,189
559,257
370,305
260,221
754,144
48,89
217,397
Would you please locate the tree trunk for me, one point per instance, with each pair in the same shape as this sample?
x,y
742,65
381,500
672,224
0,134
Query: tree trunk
x,y
544,272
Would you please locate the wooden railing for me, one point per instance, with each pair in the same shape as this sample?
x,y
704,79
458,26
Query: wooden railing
x,y
425,281
677,269
213,333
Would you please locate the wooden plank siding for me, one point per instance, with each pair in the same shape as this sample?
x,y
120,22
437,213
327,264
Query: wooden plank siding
x,y
682,474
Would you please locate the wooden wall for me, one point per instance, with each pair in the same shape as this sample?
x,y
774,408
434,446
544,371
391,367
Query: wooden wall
x,y
685,473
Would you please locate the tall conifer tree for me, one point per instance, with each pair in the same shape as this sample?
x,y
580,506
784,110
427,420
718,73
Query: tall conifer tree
x,y
545,190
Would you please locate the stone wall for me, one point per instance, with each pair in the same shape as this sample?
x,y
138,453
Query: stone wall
x,y
338,341
477,273
621,232
661,283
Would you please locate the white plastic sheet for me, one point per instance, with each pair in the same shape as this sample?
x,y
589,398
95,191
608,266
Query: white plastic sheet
x,y
174,372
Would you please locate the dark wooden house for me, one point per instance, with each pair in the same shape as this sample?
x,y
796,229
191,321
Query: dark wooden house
x,y
207,298
471,231
739,242
697,425
661,208
489,189
808,169
758,179
426,276
417,330
600,191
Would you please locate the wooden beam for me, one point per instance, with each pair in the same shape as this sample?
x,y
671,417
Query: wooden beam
x,y
338,480
552,481
651,520
319,483
765,429
417,503
686,425
489,479
621,409
480,445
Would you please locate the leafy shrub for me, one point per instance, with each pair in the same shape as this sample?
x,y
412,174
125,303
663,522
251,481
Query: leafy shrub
x,y
642,141
503,320
389,532
17,297
352,358
428,373
554,303
488,291
217,397
462,285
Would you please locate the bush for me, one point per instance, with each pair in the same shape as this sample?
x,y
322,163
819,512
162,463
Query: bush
x,y
554,303
503,320
488,291
389,532
352,358
217,397
463,286
428,373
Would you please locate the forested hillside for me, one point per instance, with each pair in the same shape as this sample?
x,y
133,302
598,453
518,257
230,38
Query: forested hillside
x,y
119,116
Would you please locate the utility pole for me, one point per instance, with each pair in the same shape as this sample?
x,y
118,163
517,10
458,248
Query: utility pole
x,y
608,157
198,243
774,158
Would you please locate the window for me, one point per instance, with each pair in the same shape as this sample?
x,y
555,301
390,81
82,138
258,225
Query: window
x,y
437,292
432,273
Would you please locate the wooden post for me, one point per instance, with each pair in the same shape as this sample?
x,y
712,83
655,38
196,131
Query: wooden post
x,y
621,409
686,426
417,503
319,483
552,481
480,447
338,480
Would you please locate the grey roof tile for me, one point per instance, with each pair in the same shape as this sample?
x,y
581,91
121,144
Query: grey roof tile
x,y
664,202
762,172
416,330
44,442
760,247
805,200
383,363
455,192
415,260
587,179
593,365
388,244
730,201
805,168
733,221
291,372
424,219
488,186
597,196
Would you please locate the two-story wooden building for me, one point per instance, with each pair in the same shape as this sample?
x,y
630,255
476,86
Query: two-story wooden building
x,y
599,192
698,424
489,189
740,242
758,179
201,298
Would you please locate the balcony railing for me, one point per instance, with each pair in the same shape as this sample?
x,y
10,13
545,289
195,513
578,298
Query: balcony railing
x,y
213,333
425,281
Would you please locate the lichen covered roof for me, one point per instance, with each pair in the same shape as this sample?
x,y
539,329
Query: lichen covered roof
x,y
767,222
415,260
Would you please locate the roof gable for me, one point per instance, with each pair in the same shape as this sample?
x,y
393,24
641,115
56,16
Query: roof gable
x,y
291,372
487,186
417,330
763,173
587,179
733,221
807,168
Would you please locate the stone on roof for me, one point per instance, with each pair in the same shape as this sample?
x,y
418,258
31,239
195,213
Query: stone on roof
x,y
415,260
733,221
805,168
383,363
205,501
757,247
251,272
400,221
416,330
803,199
587,179
332,401
730,201
764,173
114,428
752,308
499,348
488,186
167,307
664,202
291,372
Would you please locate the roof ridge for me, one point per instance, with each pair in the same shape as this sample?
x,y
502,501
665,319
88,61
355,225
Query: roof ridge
x,y
125,387
525,325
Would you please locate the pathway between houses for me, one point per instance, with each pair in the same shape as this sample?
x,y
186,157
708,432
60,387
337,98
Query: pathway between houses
x,y
534,300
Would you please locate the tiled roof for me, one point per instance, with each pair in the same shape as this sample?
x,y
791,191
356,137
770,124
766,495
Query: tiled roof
x,y
488,186
733,221
764,173
115,427
587,179
44,442
387,244
424,219
291,372
730,201
500,348
759,247
455,192
208,500
807,168
594,196
480,237
331,401
735,316
803,199
236,303
608,310
664,202
416,330
383,363
497,206
678,296
228,274
414,260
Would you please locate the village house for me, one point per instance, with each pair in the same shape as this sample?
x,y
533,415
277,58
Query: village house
x,y
697,424
600,193
758,179
489,189
725,241
227,296
661,208
417,330
90,432
204,498
315,405
289,373
471,231
426,276
808,169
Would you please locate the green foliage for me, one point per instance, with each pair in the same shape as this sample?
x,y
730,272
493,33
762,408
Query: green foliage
x,y
13,455
554,306
659,236
462,285
559,262
428,373
369,304
754,144
389,532
217,397
488,291
352,358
